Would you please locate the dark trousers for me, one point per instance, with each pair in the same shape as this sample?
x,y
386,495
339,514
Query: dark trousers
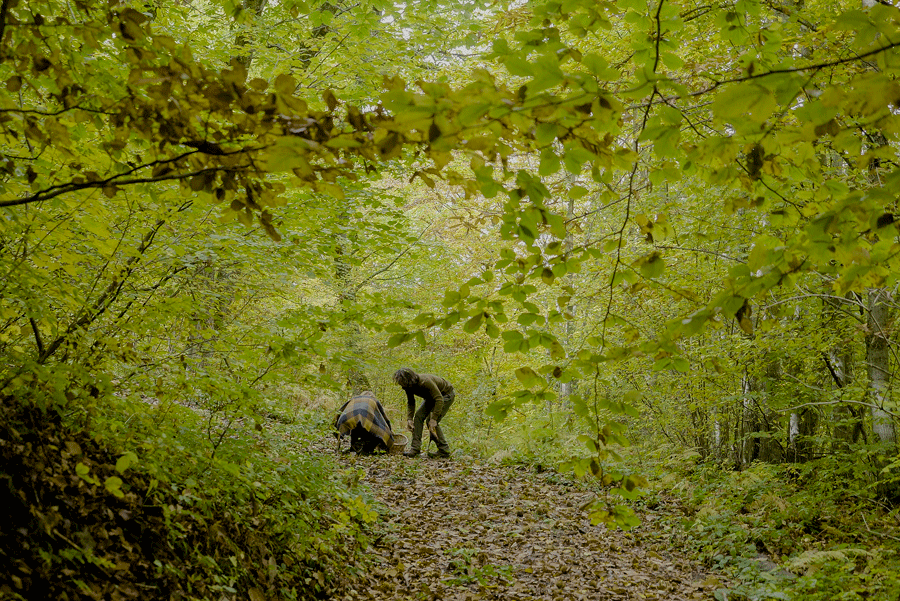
x,y
419,424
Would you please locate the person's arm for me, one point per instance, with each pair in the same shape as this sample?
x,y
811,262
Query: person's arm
x,y
410,404
435,393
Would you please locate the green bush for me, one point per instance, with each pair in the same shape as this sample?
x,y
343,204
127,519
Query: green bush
x,y
116,504
807,532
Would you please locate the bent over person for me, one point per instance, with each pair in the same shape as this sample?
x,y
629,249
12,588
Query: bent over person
x,y
364,419
437,395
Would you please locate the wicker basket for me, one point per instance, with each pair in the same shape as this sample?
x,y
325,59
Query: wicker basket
x,y
400,441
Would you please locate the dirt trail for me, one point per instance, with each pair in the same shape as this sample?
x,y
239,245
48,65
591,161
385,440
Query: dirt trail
x,y
457,529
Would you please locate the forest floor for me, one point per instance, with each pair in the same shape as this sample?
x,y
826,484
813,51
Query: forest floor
x,y
461,528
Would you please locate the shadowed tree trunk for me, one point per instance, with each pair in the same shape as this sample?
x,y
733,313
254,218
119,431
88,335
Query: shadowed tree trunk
x,y
242,40
848,429
566,389
759,423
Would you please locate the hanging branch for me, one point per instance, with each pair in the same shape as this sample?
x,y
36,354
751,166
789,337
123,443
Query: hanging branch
x,y
122,179
37,335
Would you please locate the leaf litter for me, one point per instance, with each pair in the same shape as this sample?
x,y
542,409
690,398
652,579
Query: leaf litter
x,y
462,529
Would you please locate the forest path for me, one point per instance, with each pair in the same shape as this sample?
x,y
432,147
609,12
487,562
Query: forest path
x,y
459,529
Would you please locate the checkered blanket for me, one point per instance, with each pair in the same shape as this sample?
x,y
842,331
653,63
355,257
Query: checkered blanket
x,y
365,410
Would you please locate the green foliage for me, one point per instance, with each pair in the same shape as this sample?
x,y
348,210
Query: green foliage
x,y
151,508
574,211
784,532
469,567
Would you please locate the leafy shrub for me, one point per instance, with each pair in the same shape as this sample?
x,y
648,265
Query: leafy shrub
x,y
808,532
148,512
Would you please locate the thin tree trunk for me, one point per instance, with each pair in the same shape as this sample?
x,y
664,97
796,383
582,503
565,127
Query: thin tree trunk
x,y
793,436
566,389
357,380
878,365
849,427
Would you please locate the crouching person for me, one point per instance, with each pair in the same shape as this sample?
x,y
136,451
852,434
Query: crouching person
x,y
364,419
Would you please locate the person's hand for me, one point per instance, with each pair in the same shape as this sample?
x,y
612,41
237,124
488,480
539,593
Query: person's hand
x,y
409,425
432,424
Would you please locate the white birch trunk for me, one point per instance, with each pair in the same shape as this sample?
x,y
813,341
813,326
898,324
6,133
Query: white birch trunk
x,y
878,365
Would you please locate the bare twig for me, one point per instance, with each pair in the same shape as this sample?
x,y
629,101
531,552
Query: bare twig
x,y
837,402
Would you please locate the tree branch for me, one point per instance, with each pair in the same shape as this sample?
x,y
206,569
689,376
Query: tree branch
x,y
54,113
700,250
37,335
813,67
832,371
719,83
120,179
838,402
828,298
373,275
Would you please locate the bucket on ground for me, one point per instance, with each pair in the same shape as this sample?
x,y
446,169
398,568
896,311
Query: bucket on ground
x,y
400,441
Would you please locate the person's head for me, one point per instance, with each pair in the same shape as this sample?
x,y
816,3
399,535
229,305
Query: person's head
x,y
405,377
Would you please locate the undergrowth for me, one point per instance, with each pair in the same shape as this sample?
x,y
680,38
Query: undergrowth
x,y
101,499
817,531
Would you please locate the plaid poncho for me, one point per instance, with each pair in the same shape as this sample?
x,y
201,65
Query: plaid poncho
x,y
364,410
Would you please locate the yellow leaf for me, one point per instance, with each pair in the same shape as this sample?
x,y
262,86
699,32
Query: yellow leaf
x,y
743,101
256,595
288,154
285,84
333,190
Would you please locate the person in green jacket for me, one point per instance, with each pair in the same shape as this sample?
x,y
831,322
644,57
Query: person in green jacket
x,y
437,395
